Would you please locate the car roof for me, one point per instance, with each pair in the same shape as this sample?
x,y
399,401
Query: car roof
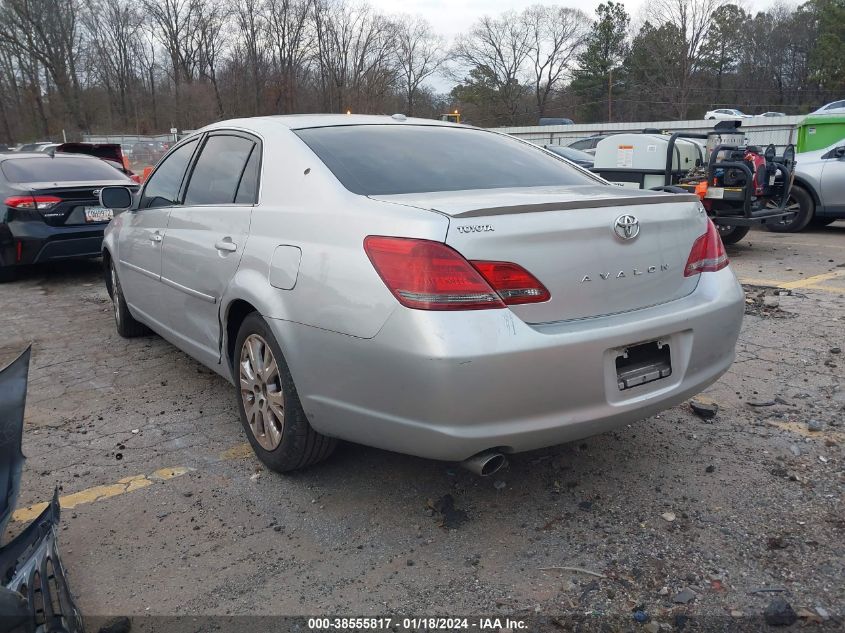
x,y
304,121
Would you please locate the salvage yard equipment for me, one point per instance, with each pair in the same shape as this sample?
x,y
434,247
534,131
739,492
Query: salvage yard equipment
x,y
739,185
818,131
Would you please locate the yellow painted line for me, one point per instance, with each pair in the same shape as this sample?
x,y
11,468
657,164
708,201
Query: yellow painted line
x,y
814,280
237,452
97,493
795,285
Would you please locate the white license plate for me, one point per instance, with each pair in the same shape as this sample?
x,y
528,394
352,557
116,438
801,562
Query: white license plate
x,y
715,192
98,214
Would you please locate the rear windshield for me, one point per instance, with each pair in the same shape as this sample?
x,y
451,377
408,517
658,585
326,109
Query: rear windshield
x,y
48,169
395,159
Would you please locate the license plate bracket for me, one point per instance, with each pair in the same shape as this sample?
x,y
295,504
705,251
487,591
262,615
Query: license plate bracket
x,y
643,363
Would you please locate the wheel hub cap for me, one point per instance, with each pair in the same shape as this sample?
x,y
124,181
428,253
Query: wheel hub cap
x,y
261,392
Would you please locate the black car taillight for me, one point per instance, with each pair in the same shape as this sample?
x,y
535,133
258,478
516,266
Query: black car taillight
x,y
41,203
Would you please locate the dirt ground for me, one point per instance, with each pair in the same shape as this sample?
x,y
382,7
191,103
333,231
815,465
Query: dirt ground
x,y
684,519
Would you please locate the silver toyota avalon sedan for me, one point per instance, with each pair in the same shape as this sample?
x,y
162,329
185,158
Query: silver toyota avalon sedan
x,y
418,286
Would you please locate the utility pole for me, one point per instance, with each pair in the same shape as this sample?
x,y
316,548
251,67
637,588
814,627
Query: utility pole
x,y
610,95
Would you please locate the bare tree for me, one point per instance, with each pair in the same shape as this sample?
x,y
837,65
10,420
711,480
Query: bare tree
x,y
47,31
212,18
499,48
175,24
419,54
692,21
353,55
291,43
251,27
555,35
117,26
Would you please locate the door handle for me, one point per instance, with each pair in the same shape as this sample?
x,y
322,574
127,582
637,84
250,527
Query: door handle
x,y
156,237
227,245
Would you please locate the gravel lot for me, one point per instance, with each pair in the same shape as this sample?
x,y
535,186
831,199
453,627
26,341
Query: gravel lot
x,y
698,523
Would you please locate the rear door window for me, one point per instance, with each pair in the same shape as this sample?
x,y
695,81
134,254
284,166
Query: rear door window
x,y
162,188
59,169
218,170
248,187
396,159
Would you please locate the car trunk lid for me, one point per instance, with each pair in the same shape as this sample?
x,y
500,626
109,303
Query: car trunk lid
x,y
567,238
74,197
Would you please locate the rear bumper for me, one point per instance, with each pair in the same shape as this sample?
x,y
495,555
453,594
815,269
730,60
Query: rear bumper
x,y
448,385
40,242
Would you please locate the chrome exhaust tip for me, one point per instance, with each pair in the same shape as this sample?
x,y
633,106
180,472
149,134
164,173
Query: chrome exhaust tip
x,y
485,463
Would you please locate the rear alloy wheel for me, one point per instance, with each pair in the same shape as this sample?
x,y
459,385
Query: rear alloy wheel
x,y
127,326
271,413
801,204
732,234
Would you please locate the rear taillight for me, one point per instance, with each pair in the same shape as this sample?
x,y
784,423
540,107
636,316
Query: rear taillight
x,y
428,275
512,282
42,203
708,253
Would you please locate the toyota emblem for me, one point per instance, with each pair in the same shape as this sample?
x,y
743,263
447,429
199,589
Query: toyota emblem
x,y
627,227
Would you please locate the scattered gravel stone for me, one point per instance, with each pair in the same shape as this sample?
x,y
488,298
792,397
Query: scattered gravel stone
x,y
684,596
705,410
835,350
815,425
776,542
668,516
780,613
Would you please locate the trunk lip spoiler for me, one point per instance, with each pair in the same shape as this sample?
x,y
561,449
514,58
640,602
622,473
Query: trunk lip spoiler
x,y
577,204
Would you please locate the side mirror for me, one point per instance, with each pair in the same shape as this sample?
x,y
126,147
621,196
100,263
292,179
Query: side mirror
x,y
117,198
839,152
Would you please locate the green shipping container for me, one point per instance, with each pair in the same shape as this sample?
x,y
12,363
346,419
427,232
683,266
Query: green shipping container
x,y
818,131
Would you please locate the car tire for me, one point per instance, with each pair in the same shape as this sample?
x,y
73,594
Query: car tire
x,y
732,234
127,326
820,222
801,200
269,406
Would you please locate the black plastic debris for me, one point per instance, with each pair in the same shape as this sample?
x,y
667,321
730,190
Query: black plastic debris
x,y
12,402
34,594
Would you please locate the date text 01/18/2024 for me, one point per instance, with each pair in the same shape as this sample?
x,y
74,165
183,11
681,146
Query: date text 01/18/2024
x,y
415,623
